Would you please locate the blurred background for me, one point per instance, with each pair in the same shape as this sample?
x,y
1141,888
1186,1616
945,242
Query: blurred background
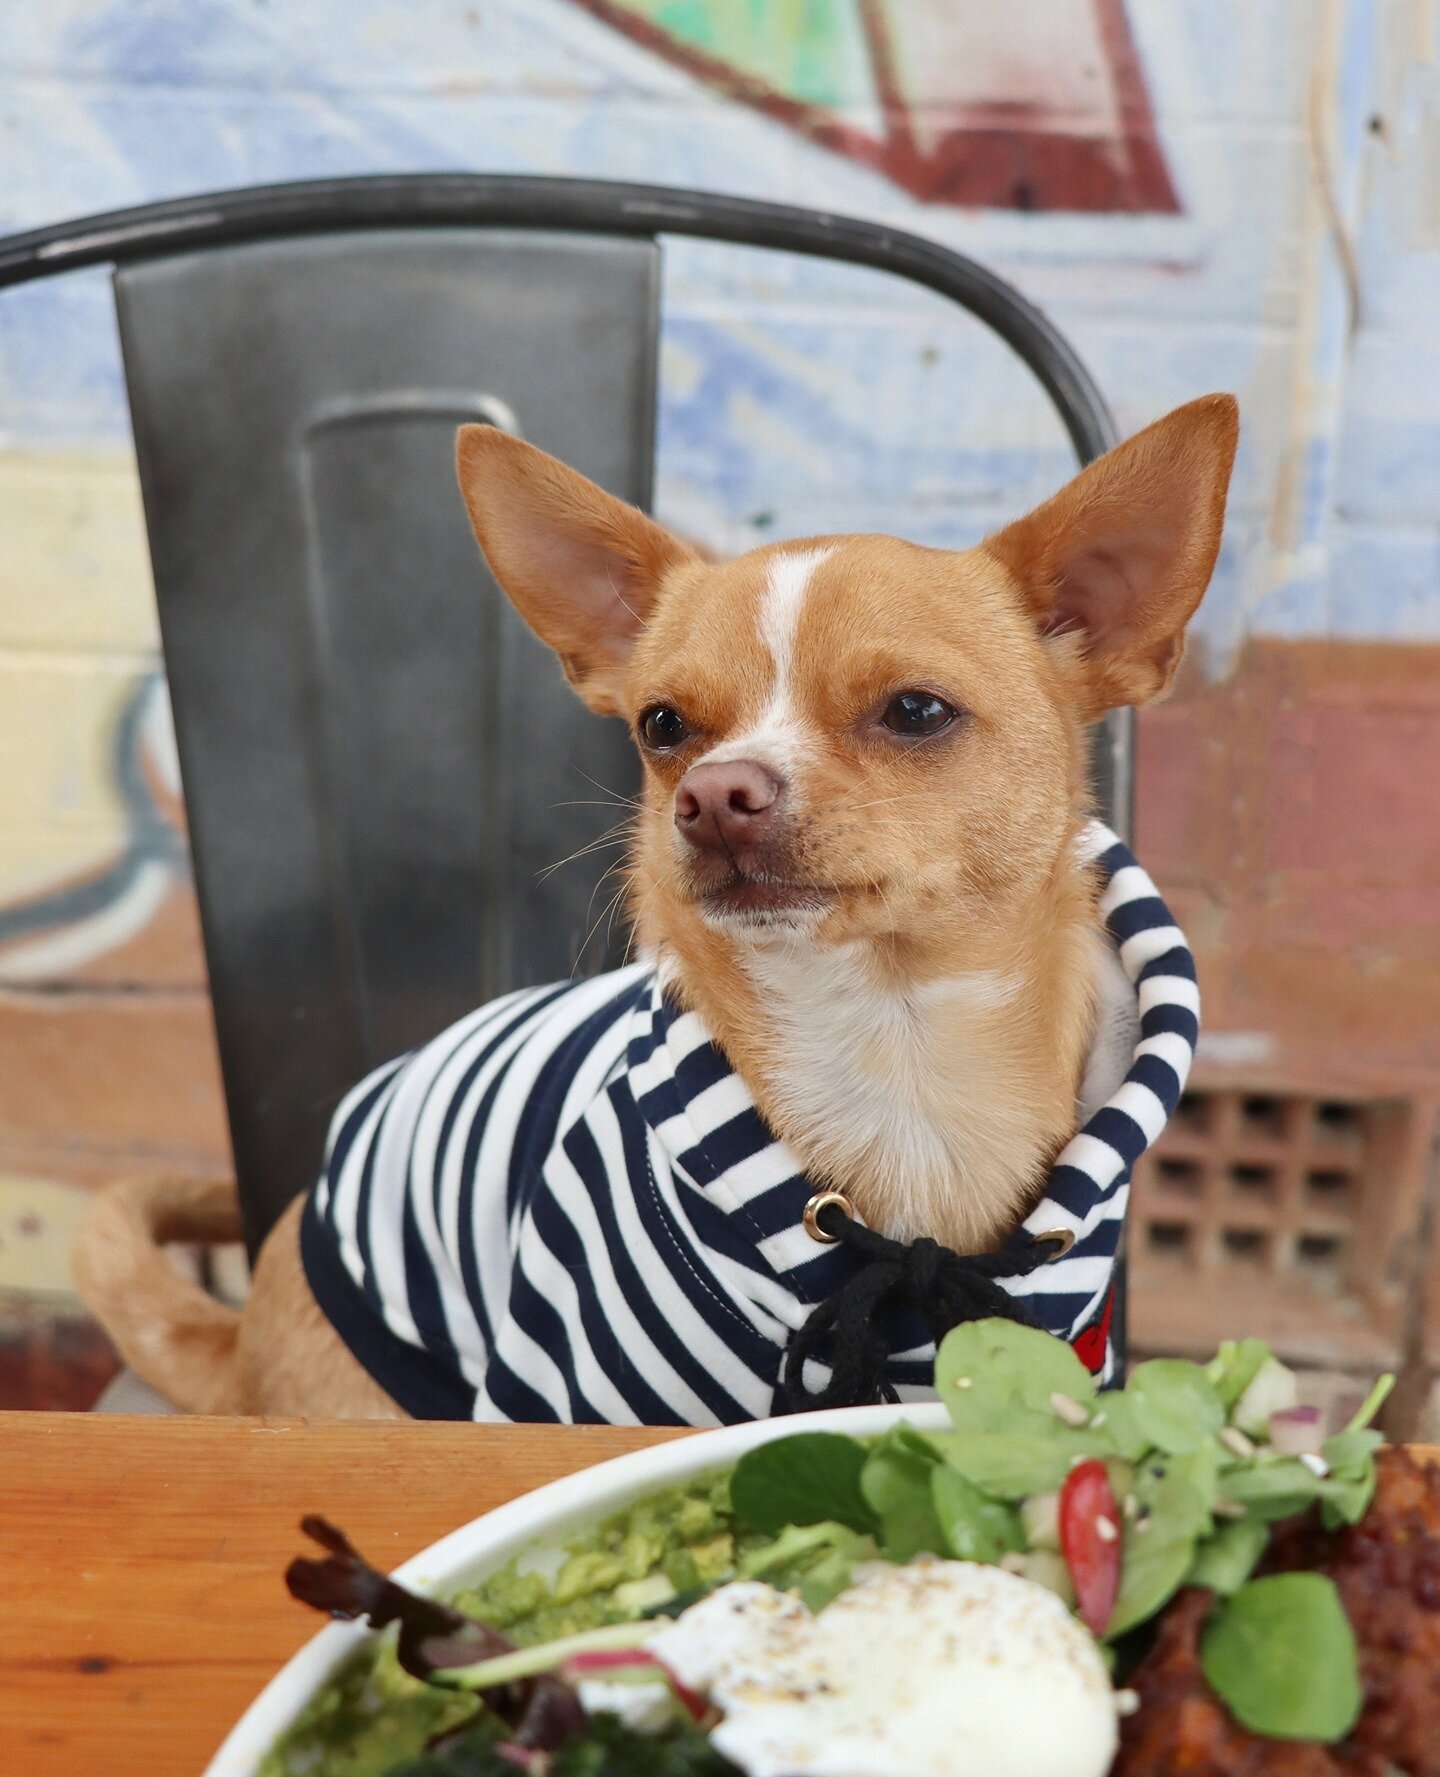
x,y
1203,194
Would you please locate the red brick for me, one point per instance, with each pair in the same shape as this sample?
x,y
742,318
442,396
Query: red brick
x,y
1355,792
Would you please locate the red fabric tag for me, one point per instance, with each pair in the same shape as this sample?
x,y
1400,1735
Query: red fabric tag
x,y
1093,1342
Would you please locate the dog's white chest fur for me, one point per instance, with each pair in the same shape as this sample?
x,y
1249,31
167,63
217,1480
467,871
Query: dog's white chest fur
x,y
908,1088
864,1074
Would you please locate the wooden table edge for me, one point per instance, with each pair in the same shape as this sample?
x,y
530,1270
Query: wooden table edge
x,y
144,1558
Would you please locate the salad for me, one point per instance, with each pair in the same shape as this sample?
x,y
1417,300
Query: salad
x,y
1022,1595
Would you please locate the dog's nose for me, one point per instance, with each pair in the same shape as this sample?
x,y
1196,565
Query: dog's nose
x,y
724,807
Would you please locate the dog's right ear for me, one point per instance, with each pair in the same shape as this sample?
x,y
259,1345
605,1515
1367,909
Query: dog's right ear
x,y
581,567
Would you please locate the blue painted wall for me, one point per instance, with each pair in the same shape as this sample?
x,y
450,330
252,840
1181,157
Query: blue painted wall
x,y
797,398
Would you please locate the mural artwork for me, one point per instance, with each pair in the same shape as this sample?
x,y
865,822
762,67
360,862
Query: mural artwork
x,y
1031,106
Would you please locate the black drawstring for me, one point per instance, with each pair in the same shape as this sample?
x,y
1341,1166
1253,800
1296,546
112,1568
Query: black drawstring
x,y
946,1287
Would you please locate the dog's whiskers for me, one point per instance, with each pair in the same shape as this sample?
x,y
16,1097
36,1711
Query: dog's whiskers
x,y
608,908
843,807
601,880
614,837
639,919
615,795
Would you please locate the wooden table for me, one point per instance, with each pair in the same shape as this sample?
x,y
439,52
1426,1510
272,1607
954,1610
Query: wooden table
x,y
141,1562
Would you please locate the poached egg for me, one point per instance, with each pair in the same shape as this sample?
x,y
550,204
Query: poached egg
x,y
935,1669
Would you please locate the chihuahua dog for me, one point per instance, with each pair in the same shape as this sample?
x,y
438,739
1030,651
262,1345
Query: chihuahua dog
x,y
872,910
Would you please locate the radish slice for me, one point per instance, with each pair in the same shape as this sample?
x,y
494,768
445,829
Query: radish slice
x,y
600,1661
1090,1541
608,1660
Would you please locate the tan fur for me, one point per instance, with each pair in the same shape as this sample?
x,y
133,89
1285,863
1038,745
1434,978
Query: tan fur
x,y
167,1330
917,1029
292,1362
281,1357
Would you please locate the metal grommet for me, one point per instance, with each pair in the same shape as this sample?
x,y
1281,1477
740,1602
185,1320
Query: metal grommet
x,y
823,1200
1061,1238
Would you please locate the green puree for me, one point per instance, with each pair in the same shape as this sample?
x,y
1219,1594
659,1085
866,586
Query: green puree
x,y
372,1716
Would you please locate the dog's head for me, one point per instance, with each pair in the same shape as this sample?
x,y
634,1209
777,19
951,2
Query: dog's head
x,y
854,737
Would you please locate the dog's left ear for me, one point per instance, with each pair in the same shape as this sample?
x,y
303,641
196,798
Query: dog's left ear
x,y
1122,555
581,567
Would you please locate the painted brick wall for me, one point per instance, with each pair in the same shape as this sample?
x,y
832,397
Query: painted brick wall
x,y
1239,194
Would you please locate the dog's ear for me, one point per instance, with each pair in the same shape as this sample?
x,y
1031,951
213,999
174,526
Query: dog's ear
x,y
581,567
1121,556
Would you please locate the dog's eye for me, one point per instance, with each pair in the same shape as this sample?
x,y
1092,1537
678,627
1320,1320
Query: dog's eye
x,y
917,714
662,728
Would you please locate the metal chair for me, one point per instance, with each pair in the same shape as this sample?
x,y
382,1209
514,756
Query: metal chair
x,y
356,705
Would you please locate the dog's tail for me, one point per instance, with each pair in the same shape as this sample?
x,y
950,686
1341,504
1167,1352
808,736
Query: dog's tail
x,y
171,1333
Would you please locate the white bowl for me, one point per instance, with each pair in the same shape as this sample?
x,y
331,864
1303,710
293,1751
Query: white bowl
x,y
546,1519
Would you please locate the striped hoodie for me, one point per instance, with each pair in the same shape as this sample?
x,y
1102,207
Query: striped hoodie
x,y
567,1206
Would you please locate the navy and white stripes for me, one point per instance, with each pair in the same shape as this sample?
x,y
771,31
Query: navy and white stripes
x,y
567,1207
1089,1186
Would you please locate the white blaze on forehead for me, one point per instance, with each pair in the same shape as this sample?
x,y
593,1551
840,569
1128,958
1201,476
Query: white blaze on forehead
x,y
786,585
777,736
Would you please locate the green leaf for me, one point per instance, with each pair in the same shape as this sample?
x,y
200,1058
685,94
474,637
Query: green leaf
x,y
1346,1501
1351,1485
1012,1465
1234,1367
1174,1404
1281,1487
895,1483
1273,1490
974,1528
811,1478
608,1746
815,1560
831,1575
1160,1544
1150,1574
1351,1449
1199,1468
1173,1509
1117,1417
795,1544
918,1443
1372,1403
1226,1558
1281,1655
1002,1364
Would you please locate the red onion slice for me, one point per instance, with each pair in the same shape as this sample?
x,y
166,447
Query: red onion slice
x,y
1297,1431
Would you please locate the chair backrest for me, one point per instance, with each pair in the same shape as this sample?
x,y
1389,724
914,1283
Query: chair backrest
x,y
379,761
379,758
